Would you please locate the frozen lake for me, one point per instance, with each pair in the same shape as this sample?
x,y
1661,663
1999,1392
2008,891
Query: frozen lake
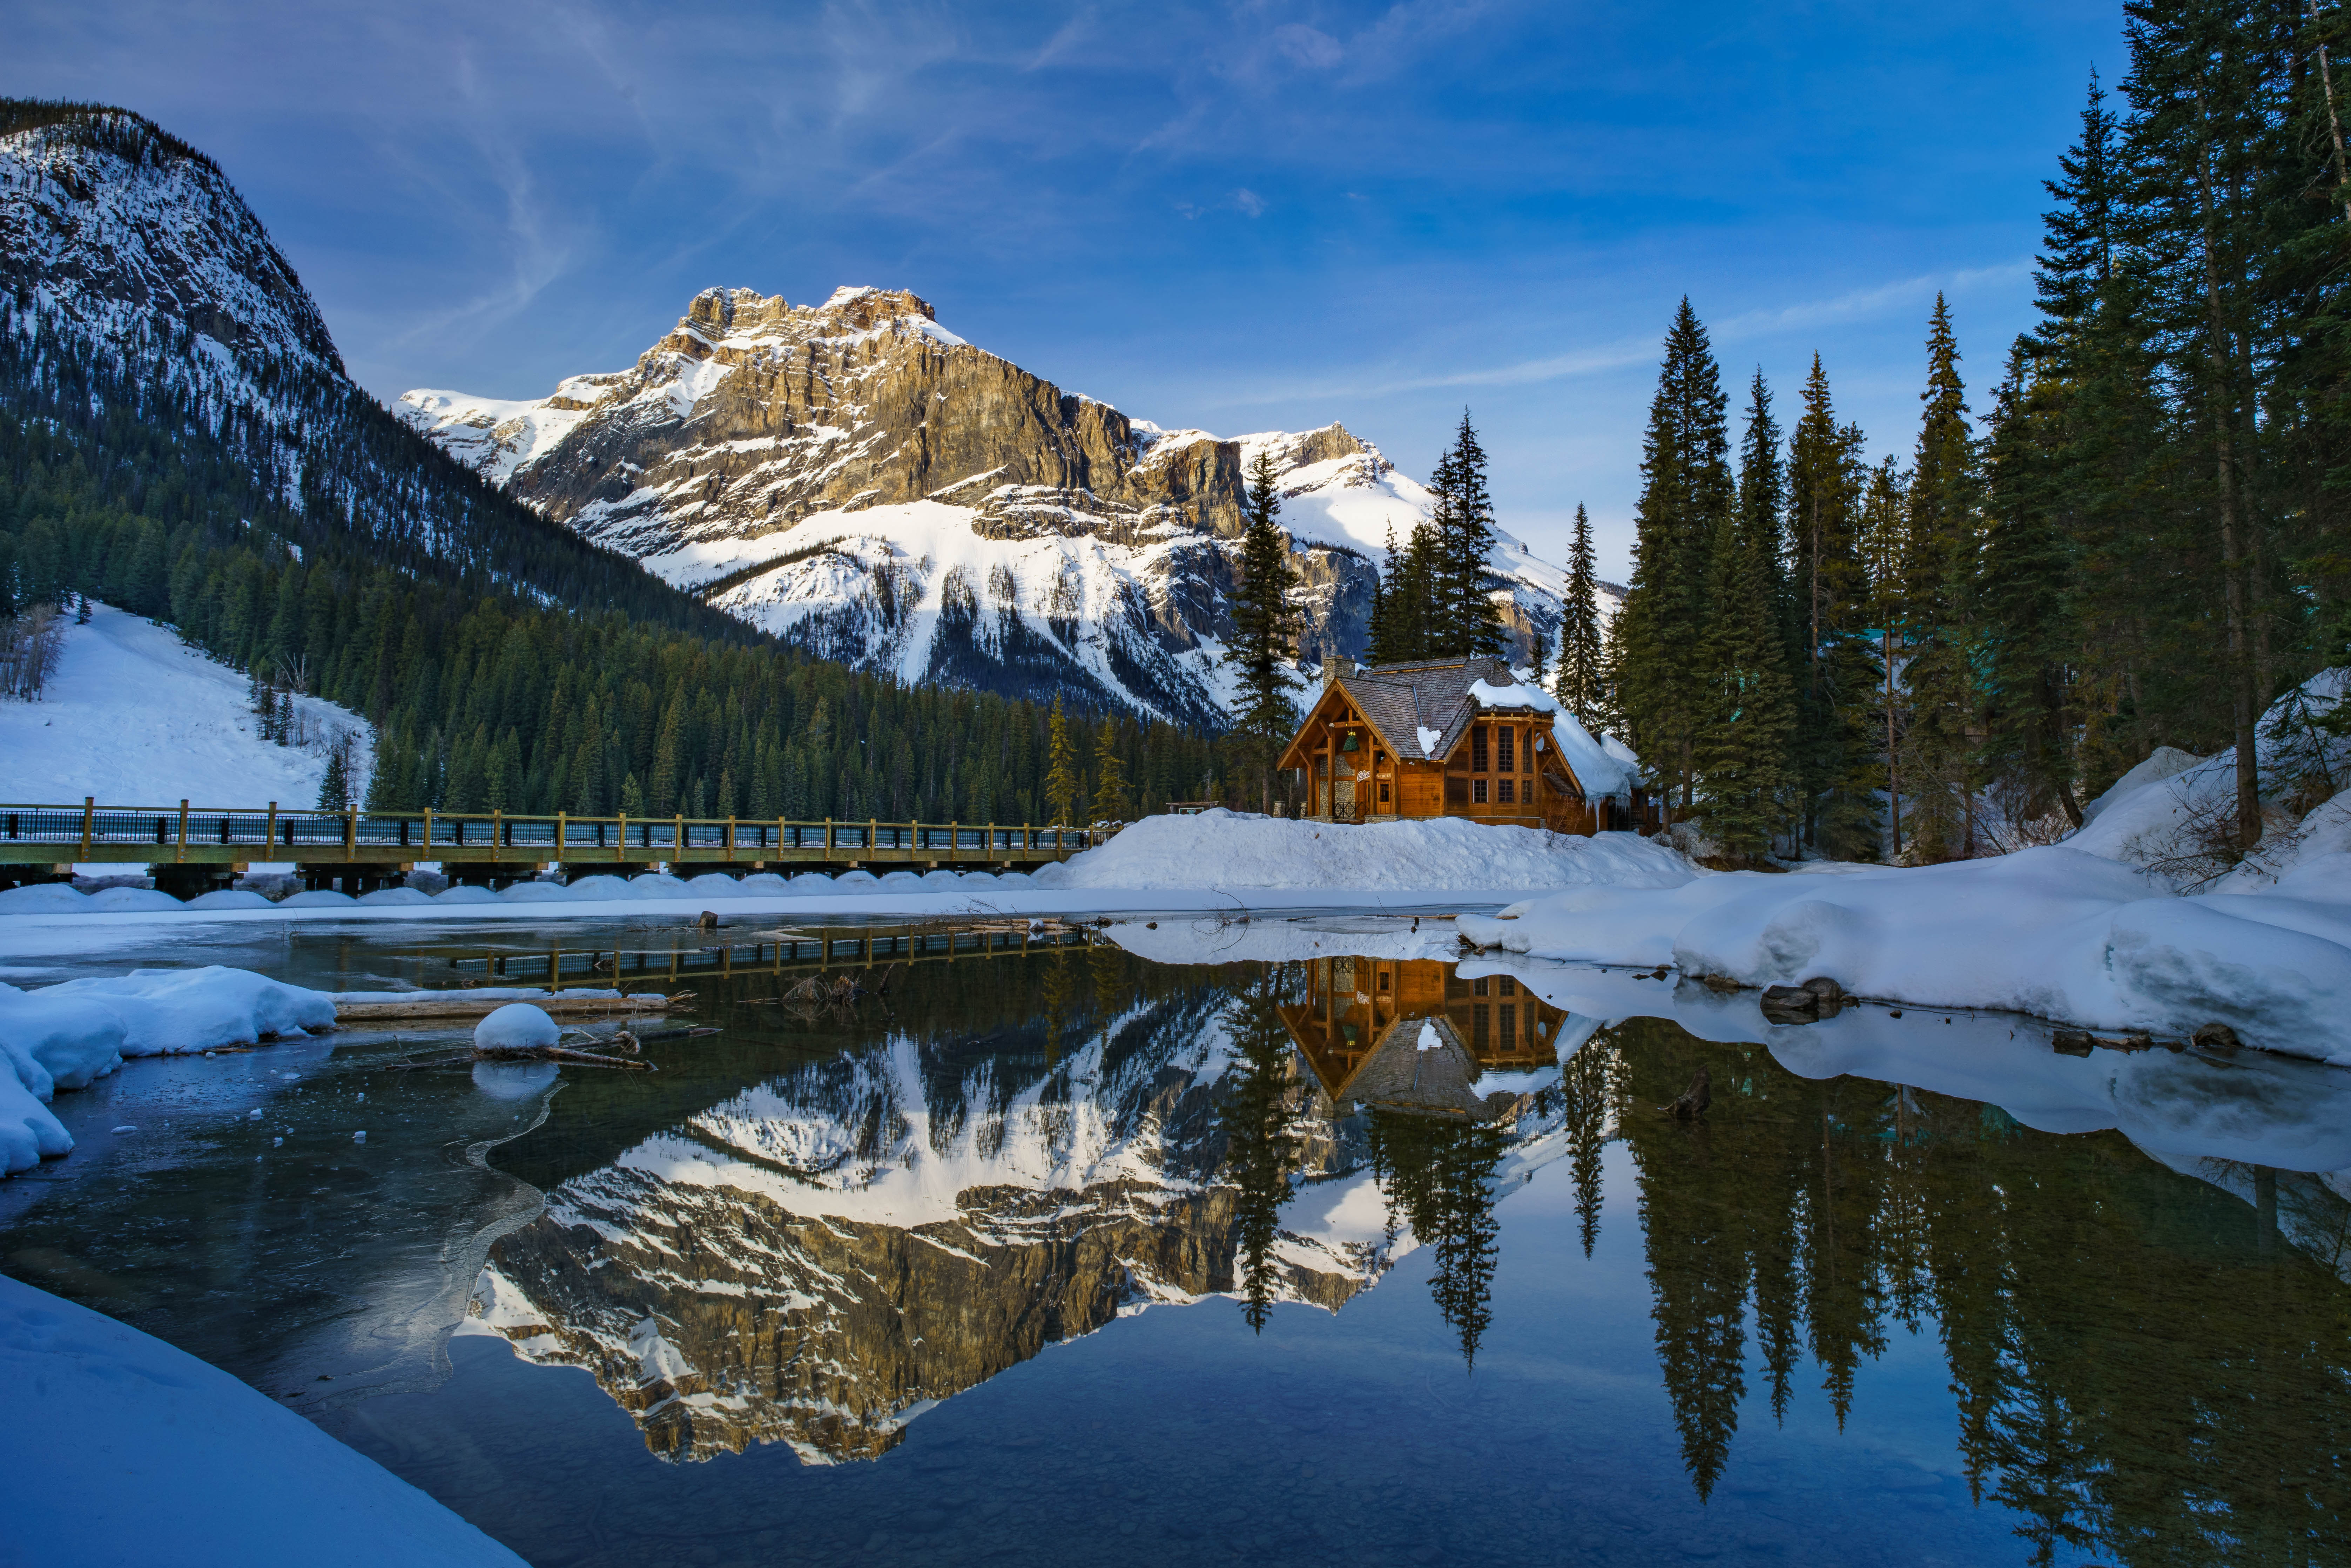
x,y
1319,1255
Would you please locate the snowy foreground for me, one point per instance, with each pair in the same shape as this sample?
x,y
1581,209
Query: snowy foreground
x,y
65,1037
122,1442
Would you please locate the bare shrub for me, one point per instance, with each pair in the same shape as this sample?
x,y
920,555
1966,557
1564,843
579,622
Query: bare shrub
x,y
31,644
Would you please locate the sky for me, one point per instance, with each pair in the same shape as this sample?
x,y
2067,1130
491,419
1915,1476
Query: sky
x,y
1233,217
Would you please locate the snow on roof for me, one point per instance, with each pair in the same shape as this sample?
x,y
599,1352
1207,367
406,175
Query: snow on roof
x,y
1518,693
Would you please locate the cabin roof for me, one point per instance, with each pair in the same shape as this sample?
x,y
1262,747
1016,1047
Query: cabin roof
x,y
1400,701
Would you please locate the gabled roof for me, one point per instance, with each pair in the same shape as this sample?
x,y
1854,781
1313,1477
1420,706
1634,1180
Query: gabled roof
x,y
1402,701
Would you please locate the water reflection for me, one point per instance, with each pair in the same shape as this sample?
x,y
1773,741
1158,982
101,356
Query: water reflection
x,y
2150,1365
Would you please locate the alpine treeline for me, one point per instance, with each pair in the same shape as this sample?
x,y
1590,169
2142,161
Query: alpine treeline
x,y
2143,543
502,662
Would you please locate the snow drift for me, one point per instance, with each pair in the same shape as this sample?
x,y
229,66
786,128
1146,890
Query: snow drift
x,y
1439,855
127,1450
66,1036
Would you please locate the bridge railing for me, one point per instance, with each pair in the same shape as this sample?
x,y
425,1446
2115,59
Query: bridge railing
x,y
283,834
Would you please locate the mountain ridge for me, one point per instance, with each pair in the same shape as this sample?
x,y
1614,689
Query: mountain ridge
x,y
858,479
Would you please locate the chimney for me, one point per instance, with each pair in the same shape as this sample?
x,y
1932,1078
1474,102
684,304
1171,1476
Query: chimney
x,y
1334,668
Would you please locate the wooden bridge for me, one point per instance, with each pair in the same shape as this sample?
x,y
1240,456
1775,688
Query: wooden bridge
x,y
192,848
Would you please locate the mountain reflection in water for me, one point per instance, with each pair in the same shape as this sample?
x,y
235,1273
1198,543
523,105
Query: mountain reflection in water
x,y
2136,1357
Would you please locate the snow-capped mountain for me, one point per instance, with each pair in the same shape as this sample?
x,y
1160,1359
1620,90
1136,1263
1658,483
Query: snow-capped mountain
x,y
112,227
856,478
134,280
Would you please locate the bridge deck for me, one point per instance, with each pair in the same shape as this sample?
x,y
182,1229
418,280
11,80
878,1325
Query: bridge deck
x,y
236,836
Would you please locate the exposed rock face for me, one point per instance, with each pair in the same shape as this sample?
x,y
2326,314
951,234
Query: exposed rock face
x,y
857,478
813,1259
128,235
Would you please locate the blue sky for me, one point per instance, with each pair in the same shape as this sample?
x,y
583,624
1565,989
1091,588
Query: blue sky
x,y
1236,217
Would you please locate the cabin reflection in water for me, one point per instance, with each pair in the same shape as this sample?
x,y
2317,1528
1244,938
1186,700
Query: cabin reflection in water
x,y
1410,1034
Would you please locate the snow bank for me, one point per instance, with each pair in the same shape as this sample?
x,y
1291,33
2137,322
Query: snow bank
x,y
2177,1105
1219,849
63,1037
2053,932
126,1450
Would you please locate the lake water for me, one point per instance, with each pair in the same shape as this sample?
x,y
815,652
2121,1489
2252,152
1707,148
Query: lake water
x,y
1066,1254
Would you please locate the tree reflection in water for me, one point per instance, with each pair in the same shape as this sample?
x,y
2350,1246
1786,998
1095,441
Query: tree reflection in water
x,y
1261,1147
2139,1366
1439,1178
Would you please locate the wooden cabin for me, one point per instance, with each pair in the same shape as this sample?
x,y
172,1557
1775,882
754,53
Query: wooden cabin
x,y
1359,1027
1445,738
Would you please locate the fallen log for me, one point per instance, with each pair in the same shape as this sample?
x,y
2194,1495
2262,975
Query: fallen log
x,y
380,1008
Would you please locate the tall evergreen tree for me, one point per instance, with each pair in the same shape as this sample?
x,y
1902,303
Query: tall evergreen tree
x,y
1837,675
1265,626
1110,774
1470,625
1686,492
1061,770
1943,562
1582,685
1747,721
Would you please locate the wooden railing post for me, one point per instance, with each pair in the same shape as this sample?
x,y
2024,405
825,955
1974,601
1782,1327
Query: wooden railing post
x,y
730,838
89,821
428,827
872,838
181,855
351,832
621,848
562,833
828,840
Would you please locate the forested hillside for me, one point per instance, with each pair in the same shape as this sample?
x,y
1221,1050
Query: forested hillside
x,y
248,494
2139,538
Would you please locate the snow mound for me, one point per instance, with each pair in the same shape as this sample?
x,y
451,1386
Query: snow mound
x,y
192,1457
602,887
44,898
124,900
1518,693
64,1037
516,1026
318,898
396,896
536,893
464,893
2053,932
1221,848
229,898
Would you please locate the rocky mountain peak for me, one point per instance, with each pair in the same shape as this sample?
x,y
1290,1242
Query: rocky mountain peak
x,y
857,478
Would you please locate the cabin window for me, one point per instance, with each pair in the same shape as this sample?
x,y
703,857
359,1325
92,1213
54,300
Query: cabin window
x,y
1527,757
1478,751
1478,1015
1384,791
1510,987
1379,757
1506,763
1511,1022
1504,794
1477,986
1383,981
1476,791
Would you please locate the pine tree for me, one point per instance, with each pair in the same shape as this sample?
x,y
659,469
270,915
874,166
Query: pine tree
x,y
1943,566
1582,685
1265,626
1686,492
1061,771
1742,747
1110,775
1471,623
1837,674
335,788
1885,534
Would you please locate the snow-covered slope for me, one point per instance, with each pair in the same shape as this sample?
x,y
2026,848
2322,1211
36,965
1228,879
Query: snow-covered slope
x,y
136,717
855,477
112,228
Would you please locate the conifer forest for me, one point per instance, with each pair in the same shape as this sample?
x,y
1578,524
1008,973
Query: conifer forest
x,y
2125,529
